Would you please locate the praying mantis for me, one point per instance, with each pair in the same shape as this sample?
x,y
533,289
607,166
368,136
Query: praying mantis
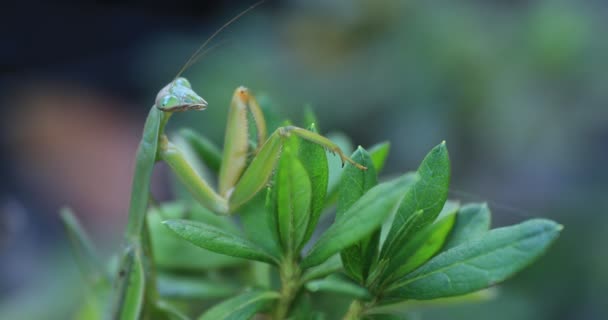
x,y
239,179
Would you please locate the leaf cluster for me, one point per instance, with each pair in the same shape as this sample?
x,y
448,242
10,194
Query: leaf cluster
x,y
390,241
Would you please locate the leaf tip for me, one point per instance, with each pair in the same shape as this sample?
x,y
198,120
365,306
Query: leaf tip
x,y
171,223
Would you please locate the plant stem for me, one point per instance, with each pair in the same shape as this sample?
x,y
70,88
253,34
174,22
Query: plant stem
x,y
290,285
354,311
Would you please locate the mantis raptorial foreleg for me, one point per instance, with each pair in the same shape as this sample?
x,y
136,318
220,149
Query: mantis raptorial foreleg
x,y
239,182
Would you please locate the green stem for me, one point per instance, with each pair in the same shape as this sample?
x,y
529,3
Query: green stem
x,y
290,285
355,311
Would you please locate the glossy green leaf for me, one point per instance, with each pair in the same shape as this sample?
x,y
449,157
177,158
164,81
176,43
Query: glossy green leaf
x,y
424,245
314,160
429,195
416,305
189,287
472,221
358,259
337,284
293,199
171,252
241,307
379,154
479,263
363,218
217,240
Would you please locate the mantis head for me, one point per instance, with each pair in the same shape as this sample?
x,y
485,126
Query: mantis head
x,y
178,96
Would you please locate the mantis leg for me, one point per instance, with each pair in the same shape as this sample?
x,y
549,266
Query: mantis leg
x,y
236,141
136,288
322,141
188,176
262,166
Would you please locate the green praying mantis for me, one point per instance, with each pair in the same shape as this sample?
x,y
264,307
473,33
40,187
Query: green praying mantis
x,y
240,178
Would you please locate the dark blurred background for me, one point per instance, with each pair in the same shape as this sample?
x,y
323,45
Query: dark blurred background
x,y
519,89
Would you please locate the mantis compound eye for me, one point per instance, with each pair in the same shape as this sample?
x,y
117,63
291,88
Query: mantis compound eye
x,y
168,101
183,82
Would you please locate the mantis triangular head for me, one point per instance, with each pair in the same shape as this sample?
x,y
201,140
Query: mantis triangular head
x,y
178,96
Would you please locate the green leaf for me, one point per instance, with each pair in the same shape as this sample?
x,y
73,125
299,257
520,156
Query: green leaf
x,y
479,263
339,285
85,253
314,160
335,165
195,211
207,151
328,267
170,311
217,240
355,183
385,317
173,253
472,221
421,248
188,287
416,305
379,153
429,194
302,308
272,210
241,307
363,218
261,230
293,195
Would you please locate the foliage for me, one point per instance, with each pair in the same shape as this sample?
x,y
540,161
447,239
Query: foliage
x,y
391,241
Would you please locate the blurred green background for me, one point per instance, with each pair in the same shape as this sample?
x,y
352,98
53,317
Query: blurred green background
x,y
518,89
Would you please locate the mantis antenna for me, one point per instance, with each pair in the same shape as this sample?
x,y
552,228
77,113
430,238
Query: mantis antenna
x,y
200,51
